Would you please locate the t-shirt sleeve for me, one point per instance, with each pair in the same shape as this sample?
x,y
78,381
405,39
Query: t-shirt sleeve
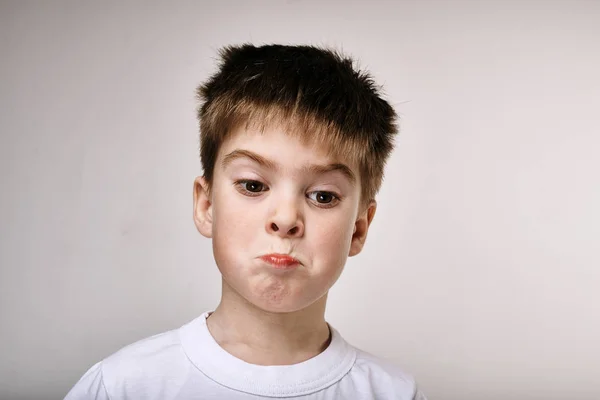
x,y
419,395
90,386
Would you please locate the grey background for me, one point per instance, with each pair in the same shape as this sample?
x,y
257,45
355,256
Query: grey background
x,y
481,272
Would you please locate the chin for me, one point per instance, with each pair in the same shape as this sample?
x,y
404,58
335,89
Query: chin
x,y
281,303
275,305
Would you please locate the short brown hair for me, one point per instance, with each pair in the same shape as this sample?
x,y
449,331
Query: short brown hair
x,y
314,93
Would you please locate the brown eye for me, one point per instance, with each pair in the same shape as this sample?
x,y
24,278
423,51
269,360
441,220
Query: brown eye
x,y
253,186
324,198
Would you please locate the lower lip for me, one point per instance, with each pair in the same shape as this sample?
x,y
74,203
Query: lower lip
x,y
280,263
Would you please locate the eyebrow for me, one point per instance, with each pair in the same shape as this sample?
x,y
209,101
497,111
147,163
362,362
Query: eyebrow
x,y
268,164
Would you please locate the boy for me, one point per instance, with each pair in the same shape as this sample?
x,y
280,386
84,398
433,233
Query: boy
x,y
293,146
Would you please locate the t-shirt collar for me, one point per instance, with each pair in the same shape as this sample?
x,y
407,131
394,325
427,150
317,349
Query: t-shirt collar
x,y
303,378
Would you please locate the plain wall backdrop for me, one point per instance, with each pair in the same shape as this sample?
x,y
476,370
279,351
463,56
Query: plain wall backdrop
x,y
481,273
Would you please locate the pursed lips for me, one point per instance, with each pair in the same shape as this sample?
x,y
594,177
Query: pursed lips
x,y
282,261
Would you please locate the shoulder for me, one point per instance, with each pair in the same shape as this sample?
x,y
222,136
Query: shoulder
x,y
145,363
143,355
138,370
383,378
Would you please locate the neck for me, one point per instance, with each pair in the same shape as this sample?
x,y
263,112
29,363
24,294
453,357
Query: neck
x,y
265,338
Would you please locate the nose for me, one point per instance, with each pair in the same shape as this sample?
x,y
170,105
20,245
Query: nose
x,y
286,219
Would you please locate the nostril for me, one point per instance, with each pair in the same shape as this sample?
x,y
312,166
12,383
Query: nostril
x,y
274,227
293,230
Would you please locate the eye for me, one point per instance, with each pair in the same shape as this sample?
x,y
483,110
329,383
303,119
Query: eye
x,y
253,186
250,187
324,198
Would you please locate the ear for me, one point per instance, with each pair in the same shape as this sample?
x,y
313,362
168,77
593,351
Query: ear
x,y
202,207
361,227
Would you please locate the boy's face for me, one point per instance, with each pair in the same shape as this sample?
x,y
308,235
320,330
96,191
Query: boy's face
x,y
283,217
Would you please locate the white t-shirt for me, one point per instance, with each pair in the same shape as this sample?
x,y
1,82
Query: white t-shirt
x,y
187,363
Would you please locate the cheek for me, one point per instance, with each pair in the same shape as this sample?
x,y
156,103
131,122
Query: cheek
x,y
234,227
334,238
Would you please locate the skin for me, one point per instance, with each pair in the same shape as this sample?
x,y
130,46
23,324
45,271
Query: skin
x,y
265,198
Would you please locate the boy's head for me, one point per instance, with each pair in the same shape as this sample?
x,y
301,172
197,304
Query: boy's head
x,y
293,145
312,93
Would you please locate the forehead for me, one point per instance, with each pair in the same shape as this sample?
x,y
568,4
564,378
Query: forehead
x,y
283,147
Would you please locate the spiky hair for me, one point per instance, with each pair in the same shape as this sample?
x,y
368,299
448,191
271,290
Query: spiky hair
x,y
314,93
